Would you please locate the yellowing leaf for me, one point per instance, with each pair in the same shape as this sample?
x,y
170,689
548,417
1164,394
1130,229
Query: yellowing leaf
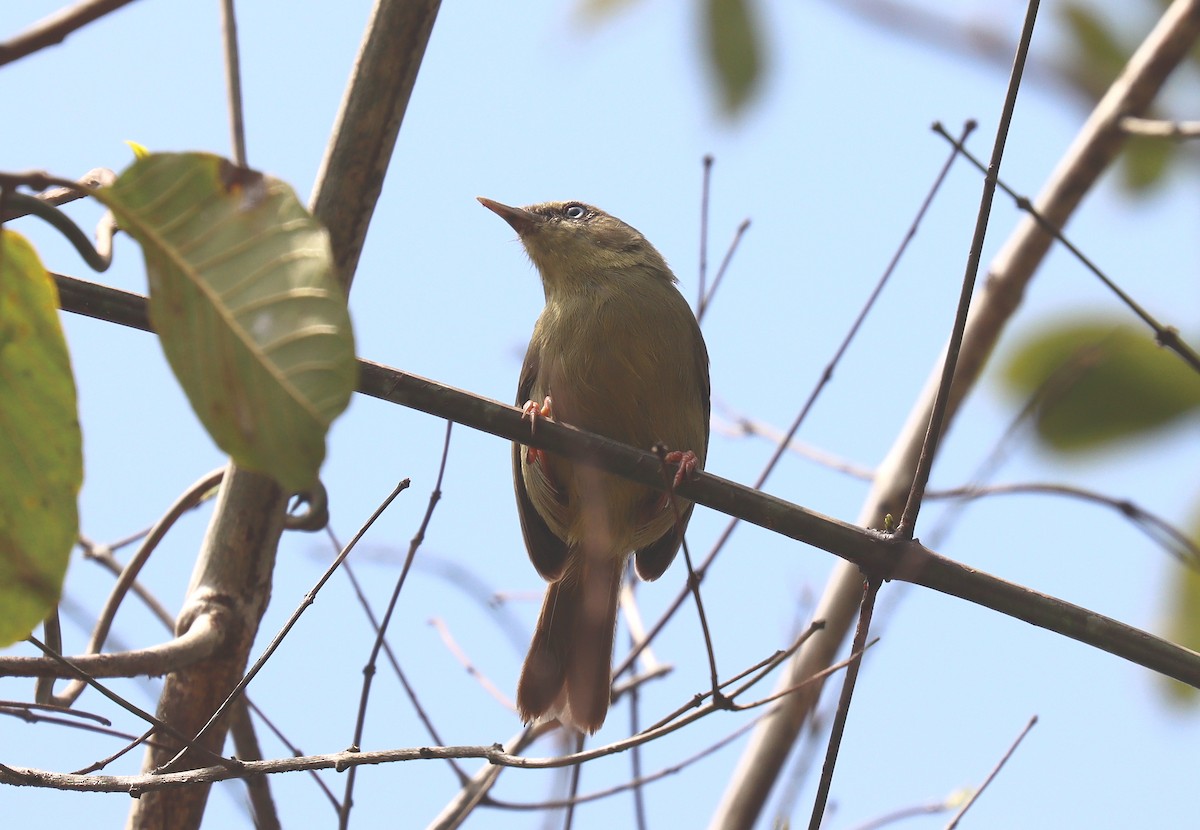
x,y
243,298
41,450
139,150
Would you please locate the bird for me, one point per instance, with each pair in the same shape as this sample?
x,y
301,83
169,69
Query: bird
x,y
616,351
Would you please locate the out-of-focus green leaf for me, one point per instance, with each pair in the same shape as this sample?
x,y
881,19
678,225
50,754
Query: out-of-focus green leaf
x,y
1183,618
1098,382
1144,161
41,449
1095,57
1096,53
734,51
243,298
595,10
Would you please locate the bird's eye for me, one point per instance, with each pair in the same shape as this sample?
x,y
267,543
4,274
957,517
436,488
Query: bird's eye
x,y
575,211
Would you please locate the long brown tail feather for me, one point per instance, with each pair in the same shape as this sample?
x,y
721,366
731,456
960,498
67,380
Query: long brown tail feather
x,y
568,672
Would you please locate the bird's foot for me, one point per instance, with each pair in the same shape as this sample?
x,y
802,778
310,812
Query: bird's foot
x,y
687,461
533,411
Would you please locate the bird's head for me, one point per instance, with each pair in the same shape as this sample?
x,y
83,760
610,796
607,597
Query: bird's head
x,y
573,244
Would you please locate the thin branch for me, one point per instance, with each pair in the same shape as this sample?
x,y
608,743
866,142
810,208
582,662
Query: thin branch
x,y
1177,541
693,579
743,426
635,760
292,748
55,28
414,544
394,662
1156,128
1166,336
469,667
58,195
191,497
24,710
637,783
702,282
991,775
496,755
44,688
245,741
308,600
162,726
102,555
843,710
937,415
134,742
233,79
202,639
476,790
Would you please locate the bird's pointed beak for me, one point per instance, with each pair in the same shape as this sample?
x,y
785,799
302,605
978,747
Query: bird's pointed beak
x,y
522,221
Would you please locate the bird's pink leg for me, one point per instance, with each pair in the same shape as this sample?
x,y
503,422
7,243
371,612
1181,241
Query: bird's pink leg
x,y
532,411
687,461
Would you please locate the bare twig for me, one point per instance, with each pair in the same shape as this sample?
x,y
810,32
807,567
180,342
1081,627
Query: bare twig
x,y
201,640
742,227
258,791
233,80
471,669
843,710
102,554
160,725
59,195
1166,336
308,600
1156,128
702,282
937,415
360,723
991,775
693,580
55,28
191,497
743,425
1176,541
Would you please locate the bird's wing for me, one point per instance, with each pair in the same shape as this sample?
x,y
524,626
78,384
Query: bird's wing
x,y
547,552
652,561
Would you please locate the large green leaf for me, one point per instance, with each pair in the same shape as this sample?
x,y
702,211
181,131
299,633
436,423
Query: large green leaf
x,y
41,450
1099,382
243,298
734,49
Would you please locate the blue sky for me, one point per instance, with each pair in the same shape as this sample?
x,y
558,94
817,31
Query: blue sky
x,y
830,165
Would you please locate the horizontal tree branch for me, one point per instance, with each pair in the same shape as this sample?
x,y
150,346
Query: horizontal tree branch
x,y
875,552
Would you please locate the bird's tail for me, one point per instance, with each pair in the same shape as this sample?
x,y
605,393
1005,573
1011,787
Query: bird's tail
x,y
568,672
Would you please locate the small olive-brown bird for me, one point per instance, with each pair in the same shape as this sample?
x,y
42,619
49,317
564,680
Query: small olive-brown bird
x,y
616,351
